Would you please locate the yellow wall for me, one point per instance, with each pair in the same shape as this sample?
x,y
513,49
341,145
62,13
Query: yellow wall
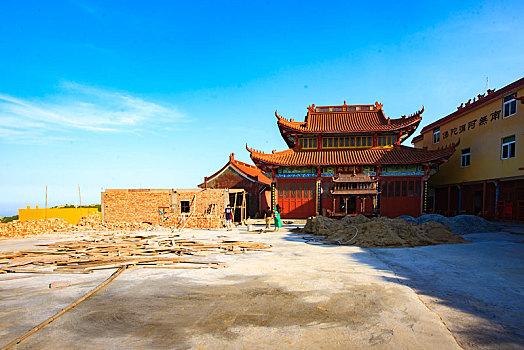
x,y
71,215
485,145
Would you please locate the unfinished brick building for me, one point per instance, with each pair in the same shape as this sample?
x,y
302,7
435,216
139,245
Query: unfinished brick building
x,y
174,208
239,175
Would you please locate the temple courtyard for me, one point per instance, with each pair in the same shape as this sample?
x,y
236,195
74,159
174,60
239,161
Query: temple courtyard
x,y
300,293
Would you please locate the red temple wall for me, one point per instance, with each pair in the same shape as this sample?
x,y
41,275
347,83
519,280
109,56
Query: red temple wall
x,y
296,197
400,195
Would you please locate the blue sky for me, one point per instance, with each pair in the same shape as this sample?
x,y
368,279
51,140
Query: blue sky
x,y
156,94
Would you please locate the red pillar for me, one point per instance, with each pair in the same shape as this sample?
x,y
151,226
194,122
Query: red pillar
x,y
484,188
449,200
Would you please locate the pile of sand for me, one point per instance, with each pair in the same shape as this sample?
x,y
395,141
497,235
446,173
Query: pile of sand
x,y
381,232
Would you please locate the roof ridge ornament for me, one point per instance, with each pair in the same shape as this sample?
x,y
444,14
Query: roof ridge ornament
x,y
378,105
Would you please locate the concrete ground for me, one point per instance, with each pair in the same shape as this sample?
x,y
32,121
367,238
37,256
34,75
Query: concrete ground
x,y
298,295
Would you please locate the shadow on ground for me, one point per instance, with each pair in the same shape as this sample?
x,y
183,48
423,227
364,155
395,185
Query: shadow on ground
x,y
477,289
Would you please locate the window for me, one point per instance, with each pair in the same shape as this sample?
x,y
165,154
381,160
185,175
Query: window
x,y
411,189
404,188
325,189
184,207
281,190
286,190
465,158
337,142
386,141
312,187
293,188
391,189
436,135
384,189
397,188
508,147
308,143
510,105
299,190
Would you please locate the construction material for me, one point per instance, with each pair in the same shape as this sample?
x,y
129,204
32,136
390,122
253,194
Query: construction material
x,y
60,284
53,225
96,251
380,232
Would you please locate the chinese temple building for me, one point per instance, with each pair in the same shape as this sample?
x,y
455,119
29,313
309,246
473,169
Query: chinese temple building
x,y
348,159
239,175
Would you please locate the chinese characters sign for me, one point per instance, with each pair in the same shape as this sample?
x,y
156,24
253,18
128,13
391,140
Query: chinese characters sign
x,y
472,124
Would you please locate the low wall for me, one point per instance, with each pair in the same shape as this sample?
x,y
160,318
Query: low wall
x,y
71,215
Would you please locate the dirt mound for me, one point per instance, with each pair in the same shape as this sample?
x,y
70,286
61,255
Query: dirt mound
x,y
381,232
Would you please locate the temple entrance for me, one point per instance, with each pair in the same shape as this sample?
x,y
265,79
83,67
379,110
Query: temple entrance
x,y
352,205
347,205
345,190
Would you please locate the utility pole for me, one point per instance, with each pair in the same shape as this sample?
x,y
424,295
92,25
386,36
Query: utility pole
x,y
79,196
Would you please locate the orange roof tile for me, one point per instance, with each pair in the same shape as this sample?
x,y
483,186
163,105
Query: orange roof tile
x,y
394,155
348,119
248,170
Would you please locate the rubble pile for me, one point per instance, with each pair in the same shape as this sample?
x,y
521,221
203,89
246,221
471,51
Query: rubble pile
x,y
18,228
87,223
381,232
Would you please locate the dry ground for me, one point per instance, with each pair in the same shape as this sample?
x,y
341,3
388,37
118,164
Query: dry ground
x,y
298,295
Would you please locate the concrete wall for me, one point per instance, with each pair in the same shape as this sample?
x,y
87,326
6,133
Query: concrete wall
x,y
484,142
71,215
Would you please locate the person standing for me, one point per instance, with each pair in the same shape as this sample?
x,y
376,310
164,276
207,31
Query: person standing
x,y
278,222
267,217
229,217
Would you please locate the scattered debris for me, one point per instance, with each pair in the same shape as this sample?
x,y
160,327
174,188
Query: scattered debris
x,y
97,252
380,232
60,284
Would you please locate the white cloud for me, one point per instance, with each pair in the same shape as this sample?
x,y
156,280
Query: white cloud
x,y
81,108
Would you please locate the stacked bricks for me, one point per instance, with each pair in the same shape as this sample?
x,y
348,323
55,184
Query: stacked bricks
x,y
195,221
18,228
135,205
87,223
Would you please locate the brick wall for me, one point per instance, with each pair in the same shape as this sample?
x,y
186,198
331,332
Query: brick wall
x,y
134,205
206,207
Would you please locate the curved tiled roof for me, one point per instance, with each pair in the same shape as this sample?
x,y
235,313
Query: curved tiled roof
x,y
394,155
248,170
368,118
